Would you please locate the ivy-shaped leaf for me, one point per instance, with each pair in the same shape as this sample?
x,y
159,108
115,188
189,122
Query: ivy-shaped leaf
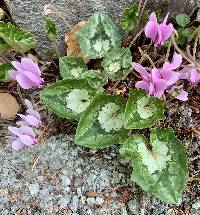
x,y
4,71
98,36
183,33
75,68
72,67
142,111
101,125
3,46
69,98
130,18
17,38
51,30
117,63
182,19
162,170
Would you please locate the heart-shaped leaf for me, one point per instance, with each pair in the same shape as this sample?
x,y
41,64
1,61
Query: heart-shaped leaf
x,y
51,30
98,36
72,67
142,111
3,46
17,38
117,63
101,125
4,68
69,98
162,170
75,68
182,19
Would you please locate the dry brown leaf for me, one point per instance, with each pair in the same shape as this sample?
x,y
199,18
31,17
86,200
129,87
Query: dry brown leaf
x,y
73,47
8,106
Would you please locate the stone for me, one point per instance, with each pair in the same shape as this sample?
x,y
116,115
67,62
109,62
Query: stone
x,y
34,189
29,15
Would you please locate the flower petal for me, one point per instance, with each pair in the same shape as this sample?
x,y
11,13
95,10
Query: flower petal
x,y
155,74
153,17
170,76
166,31
33,120
160,87
142,71
13,74
28,104
142,85
183,96
17,144
151,30
34,78
17,66
24,81
29,65
25,130
33,113
176,62
165,19
14,130
27,140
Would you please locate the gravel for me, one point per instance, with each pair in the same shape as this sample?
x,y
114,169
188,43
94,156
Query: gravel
x,y
59,177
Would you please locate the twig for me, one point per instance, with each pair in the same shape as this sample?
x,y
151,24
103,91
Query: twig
x,y
146,56
20,94
33,167
142,11
168,50
135,38
192,61
193,34
197,38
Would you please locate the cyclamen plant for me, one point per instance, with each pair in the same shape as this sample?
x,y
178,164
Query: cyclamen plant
x,y
106,119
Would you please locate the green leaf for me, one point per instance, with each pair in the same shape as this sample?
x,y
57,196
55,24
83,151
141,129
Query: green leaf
x,y
198,16
161,171
72,67
98,36
51,30
69,98
130,18
101,125
3,46
142,111
17,38
75,68
4,68
182,19
117,63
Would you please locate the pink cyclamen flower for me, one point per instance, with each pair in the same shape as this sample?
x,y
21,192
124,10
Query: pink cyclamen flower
x,y
27,73
25,137
158,33
32,118
190,74
158,80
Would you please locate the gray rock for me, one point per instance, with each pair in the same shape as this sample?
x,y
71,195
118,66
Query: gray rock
x,y
64,201
133,206
28,14
99,200
34,189
91,201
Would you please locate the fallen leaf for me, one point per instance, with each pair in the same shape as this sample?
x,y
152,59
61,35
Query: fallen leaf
x,y
8,106
73,47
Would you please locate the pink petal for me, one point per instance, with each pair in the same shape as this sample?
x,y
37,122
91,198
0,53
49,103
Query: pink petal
x,y
166,31
151,89
13,74
28,104
142,85
142,71
33,120
160,87
22,116
176,62
183,96
24,81
170,76
14,130
17,65
29,65
22,123
151,30
155,74
17,144
25,130
153,17
34,78
165,19
195,76
33,113
158,40
27,140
